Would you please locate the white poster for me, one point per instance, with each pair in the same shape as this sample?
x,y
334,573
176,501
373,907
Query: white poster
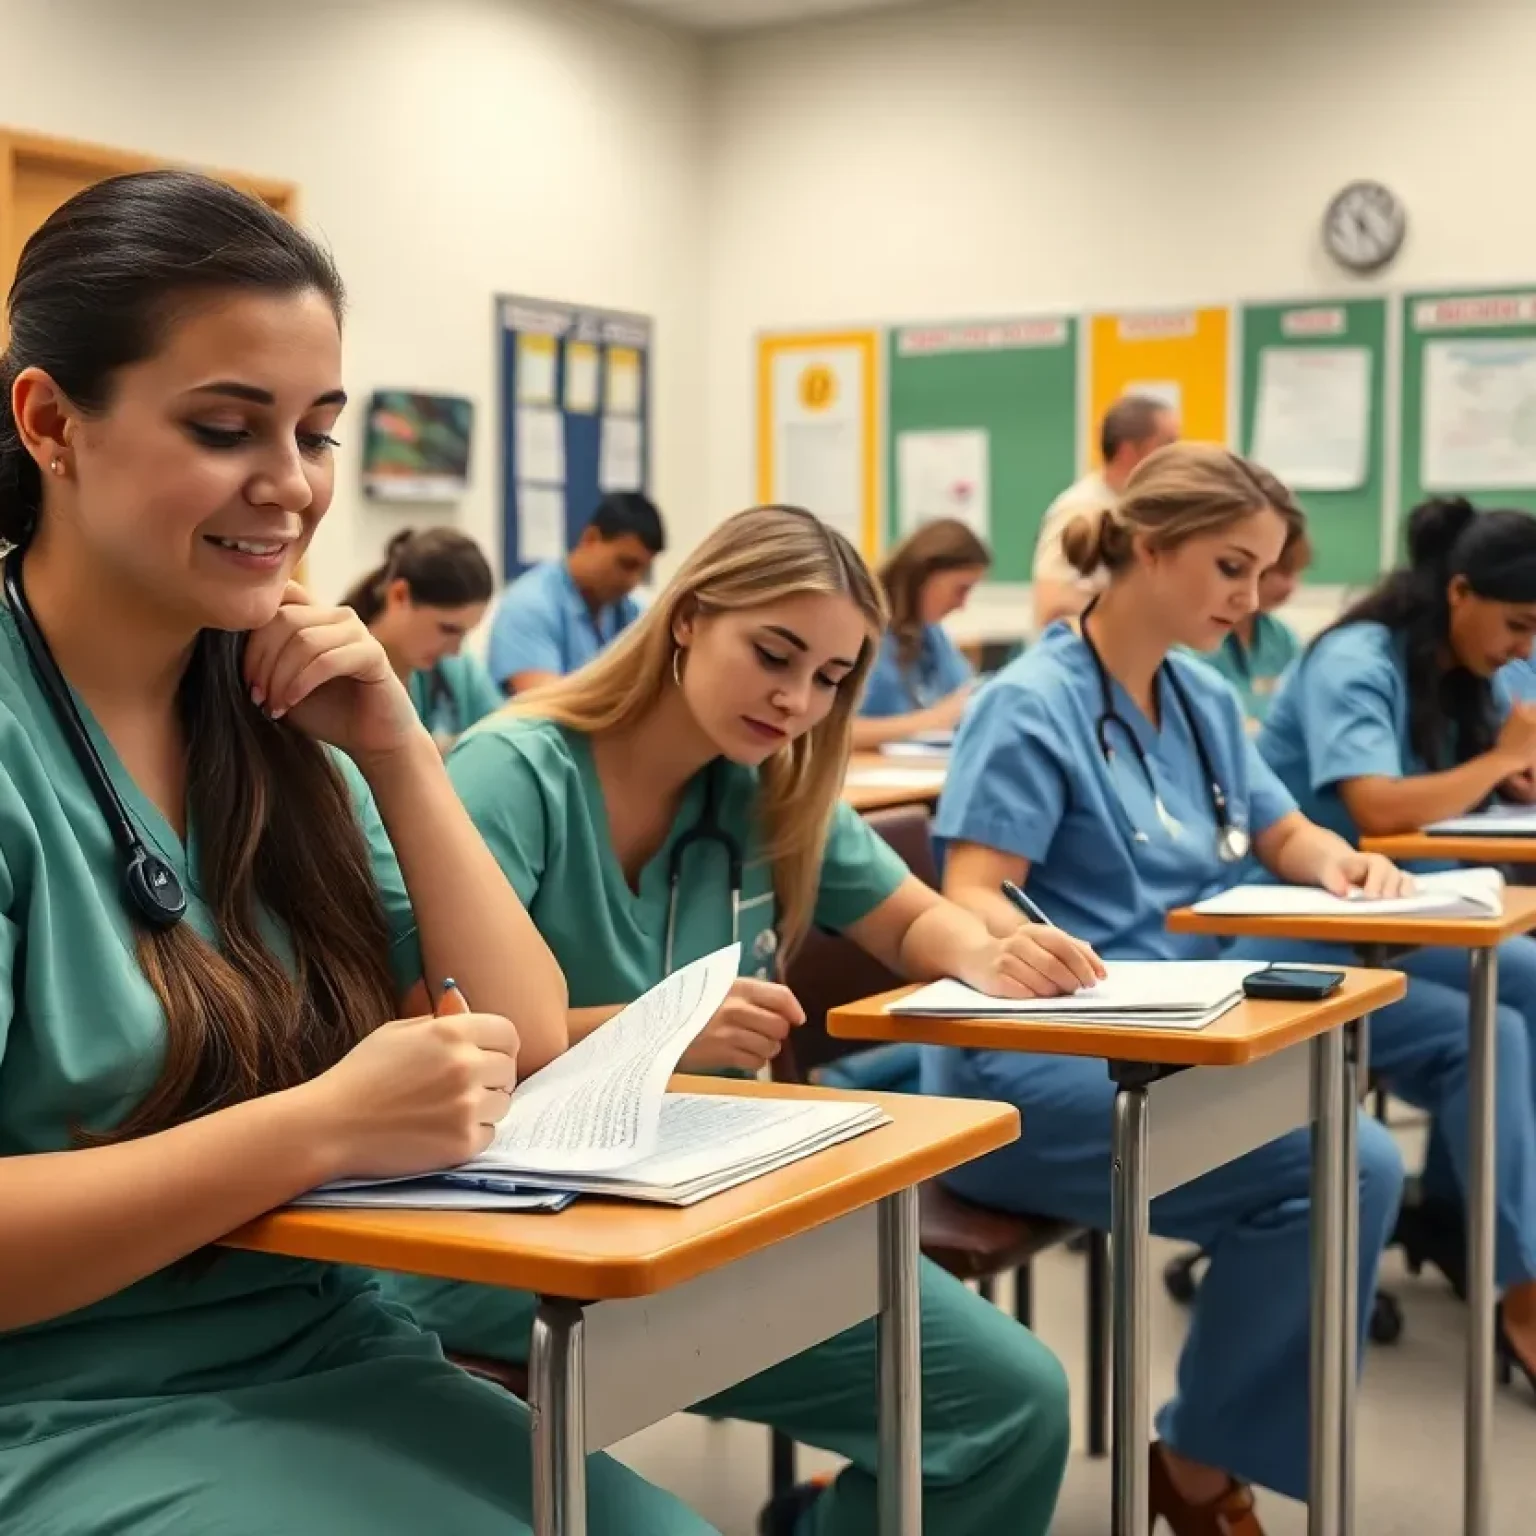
x,y
535,369
1312,418
623,381
1479,428
581,359
621,461
540,523
819,470
540,445
820,439
943,474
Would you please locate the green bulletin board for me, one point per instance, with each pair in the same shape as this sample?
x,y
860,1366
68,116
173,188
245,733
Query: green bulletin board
x,y
1015,381
1345,525
1435,319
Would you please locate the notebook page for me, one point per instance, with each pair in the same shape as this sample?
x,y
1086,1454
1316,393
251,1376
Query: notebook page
x,y
1496,821
1129,987
1464,892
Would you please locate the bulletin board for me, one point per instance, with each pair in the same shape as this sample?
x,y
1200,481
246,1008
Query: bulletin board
x,y
981,424
818,428
1181,356
575,419
1469,397
1314,380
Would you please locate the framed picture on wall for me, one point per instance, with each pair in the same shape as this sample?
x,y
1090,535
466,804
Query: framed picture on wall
x,y
417,446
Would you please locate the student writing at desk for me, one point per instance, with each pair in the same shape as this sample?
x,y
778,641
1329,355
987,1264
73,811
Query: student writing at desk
x,y
429,593
680,792
1395,717
197,971
919,681
1115,777
557,616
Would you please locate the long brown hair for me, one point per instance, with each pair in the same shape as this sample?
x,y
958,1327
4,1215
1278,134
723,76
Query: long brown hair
x,y
762,556
442,568
94,293
945,544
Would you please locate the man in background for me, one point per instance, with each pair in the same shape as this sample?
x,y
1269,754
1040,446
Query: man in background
x,y
556,617
1132,428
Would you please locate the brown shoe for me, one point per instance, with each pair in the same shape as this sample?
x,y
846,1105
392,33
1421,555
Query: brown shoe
x,y
1229,1514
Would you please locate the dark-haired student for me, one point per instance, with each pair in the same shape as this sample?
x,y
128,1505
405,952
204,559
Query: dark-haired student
x,y
431,591
1397,716
171,385
556,617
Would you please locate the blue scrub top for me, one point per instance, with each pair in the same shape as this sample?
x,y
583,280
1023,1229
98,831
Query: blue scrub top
x,y
543,624
938,670
1026,777
1255,671
1343,714
1519,677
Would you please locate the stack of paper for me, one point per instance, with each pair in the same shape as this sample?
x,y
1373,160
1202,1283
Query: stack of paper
x,y
930,745
1453,893
1145,994
599,1119
1496,821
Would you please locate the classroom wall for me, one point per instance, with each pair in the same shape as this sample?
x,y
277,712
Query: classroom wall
x,y
447,150
990,156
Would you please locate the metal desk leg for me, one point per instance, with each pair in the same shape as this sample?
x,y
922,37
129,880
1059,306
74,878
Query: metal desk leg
x,y
901,1367
1356,1039
556,1388
1325,1378
1130,1234
1480,1243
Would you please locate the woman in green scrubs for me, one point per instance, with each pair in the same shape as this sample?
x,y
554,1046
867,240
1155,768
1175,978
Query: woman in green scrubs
x,y
170,1071
739,687
430,592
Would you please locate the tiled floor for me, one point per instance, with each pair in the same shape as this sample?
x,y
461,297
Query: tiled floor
x,y
1410,1436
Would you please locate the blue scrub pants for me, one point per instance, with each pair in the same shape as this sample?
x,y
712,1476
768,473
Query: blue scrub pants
x,y
1420,1047
1241,1402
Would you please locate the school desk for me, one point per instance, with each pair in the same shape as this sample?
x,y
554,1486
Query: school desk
x,y
1217,1093
875,781
645,1310
1374,940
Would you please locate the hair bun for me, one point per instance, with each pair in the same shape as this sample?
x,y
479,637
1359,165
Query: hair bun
x,y
1433,528
1094,539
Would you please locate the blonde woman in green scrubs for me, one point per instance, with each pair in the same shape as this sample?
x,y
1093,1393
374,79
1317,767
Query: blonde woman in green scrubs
x,y
169,391
739,686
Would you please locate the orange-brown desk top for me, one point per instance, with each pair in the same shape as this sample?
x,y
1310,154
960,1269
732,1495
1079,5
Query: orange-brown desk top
x,y
1249,1032
878,797
601,1249
1477,850
1394,932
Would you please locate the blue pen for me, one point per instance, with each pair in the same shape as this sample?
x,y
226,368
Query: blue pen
x,y
1025,905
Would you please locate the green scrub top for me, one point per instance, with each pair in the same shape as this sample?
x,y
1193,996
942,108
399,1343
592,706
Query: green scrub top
x,y
454,694
532,789
1255,671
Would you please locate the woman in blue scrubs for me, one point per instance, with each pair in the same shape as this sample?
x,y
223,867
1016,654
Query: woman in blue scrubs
x,y
919,681
617,801
431,591
1086,772
199,962
1397,716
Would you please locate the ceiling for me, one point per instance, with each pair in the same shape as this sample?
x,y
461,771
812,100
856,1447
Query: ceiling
x,y
738,15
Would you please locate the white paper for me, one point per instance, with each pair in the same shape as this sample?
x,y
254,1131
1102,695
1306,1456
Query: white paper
x,y
623,382
1129,989
1312,419
535,369
1168,393
820,472
1452,893
894,778
540,523
425,1196
944,474
540,445
1479,428
598,1105
621,463
581,374
1496,821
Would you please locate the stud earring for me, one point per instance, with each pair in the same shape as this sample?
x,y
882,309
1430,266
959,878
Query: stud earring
x,y
58,465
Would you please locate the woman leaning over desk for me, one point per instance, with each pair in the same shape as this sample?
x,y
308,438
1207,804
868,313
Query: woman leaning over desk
x,y
1395,717
1114,777
680,792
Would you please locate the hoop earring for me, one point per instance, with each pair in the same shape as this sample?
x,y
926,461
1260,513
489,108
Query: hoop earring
x,y
677,666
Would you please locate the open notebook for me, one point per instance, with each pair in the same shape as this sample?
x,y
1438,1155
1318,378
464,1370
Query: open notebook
x,y
1496,821
1147,994
1452,893
599,1118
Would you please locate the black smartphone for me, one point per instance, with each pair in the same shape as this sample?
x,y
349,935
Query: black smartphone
x,y
1293,983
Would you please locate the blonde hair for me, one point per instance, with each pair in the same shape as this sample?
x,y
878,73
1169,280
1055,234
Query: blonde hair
x,y
761,556
1178,493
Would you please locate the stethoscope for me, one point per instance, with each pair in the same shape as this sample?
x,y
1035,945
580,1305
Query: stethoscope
x,y
708,830
1232,841
155,895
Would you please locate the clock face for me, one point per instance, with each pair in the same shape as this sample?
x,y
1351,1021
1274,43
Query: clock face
x,y
1364,226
